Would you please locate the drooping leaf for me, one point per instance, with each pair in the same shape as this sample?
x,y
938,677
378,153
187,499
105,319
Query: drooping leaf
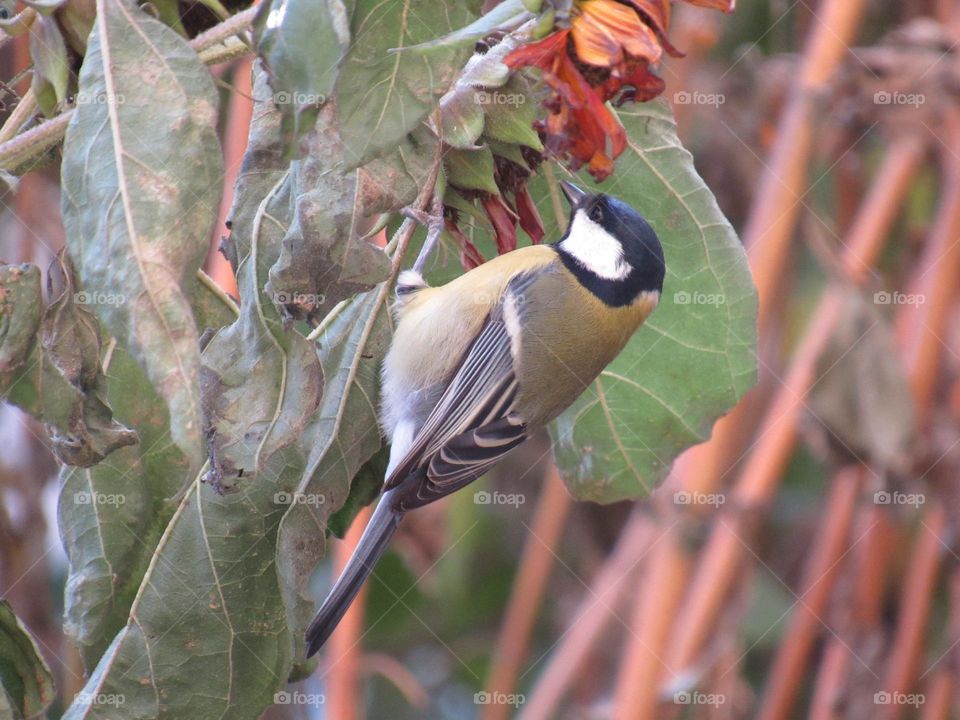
x,y
140,177
111,515
61,382
212,307
323,260
382,96
301,43
207,633
470,169
25,680
21,307
694,357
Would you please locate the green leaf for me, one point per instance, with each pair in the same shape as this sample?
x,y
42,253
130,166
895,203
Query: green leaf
x,y
21,307
141,175
510,113
51,68
342,436
470,170
208,633
301,43
382,96
260,382
694,357
212,307
25,680
507,15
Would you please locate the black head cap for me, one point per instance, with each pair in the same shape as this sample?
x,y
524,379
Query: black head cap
x,y
642,250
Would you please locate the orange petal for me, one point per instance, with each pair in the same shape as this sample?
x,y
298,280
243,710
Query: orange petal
x,y
605,29
540,54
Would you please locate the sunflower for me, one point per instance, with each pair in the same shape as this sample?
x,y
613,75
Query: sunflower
x,y
606,54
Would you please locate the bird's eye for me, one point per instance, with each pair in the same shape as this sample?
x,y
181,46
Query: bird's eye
x,y
596,213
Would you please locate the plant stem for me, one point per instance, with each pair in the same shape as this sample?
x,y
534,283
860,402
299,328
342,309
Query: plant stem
x,y
529,586
27,145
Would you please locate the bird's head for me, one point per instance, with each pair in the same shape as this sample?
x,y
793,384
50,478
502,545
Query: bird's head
x,y
610,247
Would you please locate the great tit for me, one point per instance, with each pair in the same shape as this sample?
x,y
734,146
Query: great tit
x,y
477,365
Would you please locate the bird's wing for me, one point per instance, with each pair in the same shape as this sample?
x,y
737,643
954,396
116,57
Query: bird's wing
x,y
471,427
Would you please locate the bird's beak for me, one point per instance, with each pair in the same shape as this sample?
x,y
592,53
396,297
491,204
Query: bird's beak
x,y
575,196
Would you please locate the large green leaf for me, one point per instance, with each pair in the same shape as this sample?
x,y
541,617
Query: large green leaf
x,y
208,633
111,515
694,357
141,175
26,685
381,95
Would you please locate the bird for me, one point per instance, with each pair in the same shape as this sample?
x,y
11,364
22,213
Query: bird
x,y
479,364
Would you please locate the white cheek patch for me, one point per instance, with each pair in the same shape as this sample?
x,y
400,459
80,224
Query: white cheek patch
x,y
596,249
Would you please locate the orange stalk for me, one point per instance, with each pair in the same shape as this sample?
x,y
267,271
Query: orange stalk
x,y
829,545
776,437
526,596
343,649
589,621
637,689
829,685
914,606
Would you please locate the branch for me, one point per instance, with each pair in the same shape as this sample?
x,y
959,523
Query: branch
x,y
28,145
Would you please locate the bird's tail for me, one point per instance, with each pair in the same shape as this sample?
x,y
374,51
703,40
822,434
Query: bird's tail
x,y
372,543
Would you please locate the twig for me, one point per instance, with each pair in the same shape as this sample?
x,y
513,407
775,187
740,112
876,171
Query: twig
x,y
17,150
529,586
21,113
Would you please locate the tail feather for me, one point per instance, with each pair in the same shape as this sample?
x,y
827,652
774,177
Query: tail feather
x,y
372,543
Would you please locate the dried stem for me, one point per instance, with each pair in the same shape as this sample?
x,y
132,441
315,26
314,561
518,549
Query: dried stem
x,y
526,596
796,646
343,678
27,145
638,688
590,620
722,554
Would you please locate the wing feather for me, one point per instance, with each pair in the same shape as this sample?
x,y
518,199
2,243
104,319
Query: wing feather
x,y
472,427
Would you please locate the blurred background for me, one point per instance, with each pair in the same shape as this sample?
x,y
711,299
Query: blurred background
x,y
804,562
